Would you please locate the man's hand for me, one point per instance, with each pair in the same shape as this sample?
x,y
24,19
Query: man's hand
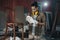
x,y
41,24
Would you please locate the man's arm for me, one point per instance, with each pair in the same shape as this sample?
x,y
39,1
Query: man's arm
x,y
41,16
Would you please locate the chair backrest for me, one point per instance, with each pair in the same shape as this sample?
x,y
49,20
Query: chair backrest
x,y
19,14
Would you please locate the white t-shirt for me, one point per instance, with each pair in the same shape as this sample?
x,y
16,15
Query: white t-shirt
x,y
31,20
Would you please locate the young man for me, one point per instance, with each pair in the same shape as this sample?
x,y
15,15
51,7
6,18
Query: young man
x,y
40,17
36,18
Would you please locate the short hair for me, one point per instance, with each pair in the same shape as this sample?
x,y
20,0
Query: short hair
x,y
34,4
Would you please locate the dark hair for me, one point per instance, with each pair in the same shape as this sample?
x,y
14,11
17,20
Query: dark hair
x,y
34,4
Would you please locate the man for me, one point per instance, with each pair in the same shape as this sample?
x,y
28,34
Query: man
x,y
36,18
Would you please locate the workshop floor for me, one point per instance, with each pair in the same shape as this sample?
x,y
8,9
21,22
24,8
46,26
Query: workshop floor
x,y
35,38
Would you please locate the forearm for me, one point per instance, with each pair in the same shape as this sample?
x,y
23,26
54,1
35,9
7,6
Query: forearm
x,y
41,24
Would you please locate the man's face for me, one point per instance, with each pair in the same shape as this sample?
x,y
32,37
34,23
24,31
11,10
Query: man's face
x,y
33,8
